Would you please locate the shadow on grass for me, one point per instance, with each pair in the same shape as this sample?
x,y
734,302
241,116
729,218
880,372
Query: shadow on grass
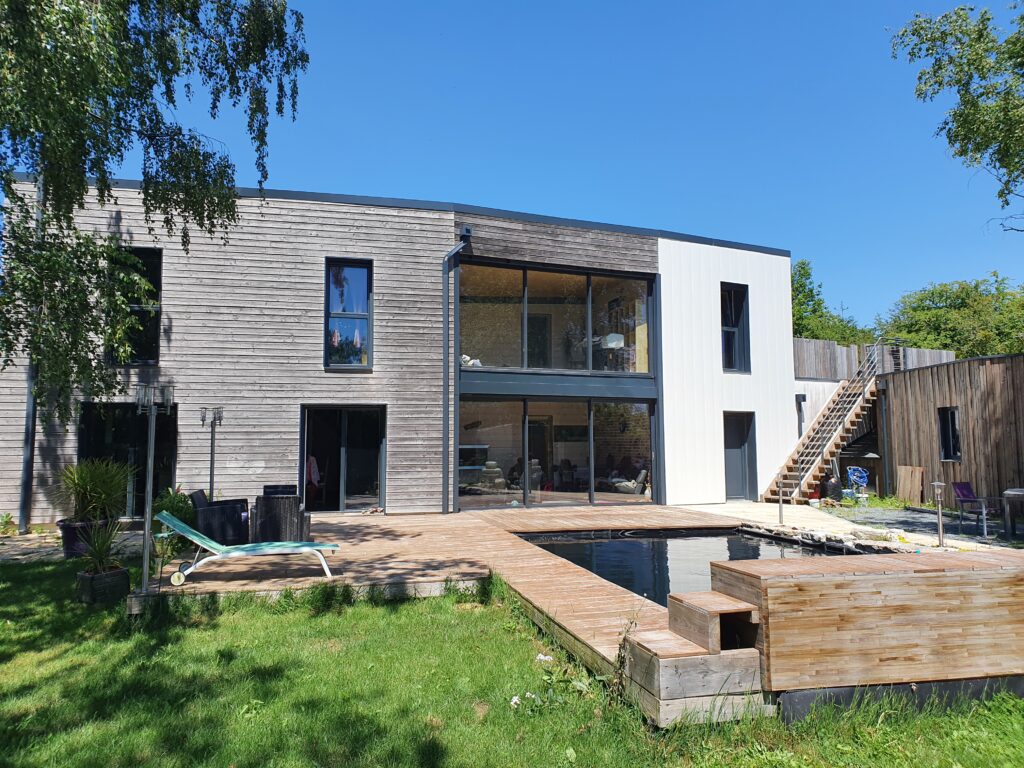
x,y
105,690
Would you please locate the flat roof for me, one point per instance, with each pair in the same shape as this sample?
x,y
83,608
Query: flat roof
x,y
433,205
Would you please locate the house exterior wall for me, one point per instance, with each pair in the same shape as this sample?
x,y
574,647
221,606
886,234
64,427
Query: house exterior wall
x,y
242,327
989,393
697,392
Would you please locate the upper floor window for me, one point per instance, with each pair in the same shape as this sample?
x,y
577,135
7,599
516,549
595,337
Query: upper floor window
x,y
145,341
735,329
949,434
542,319
348,317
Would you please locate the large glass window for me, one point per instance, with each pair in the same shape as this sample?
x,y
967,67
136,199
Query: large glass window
x,y
556,322
735,329
347,326
491,463
622,452
559,454
620,341
145,341
491,317
555,314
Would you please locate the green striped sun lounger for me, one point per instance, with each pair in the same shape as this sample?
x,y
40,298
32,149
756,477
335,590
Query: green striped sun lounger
x,y
221,552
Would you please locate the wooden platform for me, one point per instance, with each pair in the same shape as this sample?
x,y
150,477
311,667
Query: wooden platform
x,y
881,619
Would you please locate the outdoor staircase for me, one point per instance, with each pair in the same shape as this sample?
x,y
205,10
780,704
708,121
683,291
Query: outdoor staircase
x,y
834,427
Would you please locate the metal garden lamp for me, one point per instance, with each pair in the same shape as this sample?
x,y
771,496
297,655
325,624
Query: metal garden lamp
x,y
215,417
151,399
938,485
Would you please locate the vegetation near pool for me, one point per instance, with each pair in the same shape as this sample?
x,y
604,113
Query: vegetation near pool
x,y
313,680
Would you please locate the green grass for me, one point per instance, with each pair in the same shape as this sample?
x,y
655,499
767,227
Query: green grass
x,y
312,680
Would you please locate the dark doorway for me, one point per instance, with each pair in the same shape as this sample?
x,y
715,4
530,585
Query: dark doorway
x,y
117,431
538,334
539,433
343,469
740,457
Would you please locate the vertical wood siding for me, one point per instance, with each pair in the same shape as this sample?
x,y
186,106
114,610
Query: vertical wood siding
x,y
243,328
990,396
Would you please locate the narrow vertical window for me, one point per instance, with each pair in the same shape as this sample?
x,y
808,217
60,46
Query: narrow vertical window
x,y
735,329
348,327
949,434
145,340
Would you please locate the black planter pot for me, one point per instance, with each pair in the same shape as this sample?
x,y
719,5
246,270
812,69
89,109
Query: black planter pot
x,y
75,535
103,588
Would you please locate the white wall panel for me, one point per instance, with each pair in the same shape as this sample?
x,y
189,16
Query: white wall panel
x,y
697,391
818,394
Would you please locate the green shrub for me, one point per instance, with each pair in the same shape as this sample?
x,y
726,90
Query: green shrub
x,y
94,489
177,503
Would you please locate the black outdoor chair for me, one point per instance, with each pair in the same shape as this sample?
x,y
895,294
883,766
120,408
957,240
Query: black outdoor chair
x,y
280,490
225,521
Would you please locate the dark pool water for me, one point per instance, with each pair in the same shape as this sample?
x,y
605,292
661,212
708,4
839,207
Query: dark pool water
x,y
654,567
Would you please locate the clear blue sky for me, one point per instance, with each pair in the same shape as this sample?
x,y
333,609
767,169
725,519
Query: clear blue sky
x,y
783,124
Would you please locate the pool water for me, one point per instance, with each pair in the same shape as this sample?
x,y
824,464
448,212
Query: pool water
x,y
654,567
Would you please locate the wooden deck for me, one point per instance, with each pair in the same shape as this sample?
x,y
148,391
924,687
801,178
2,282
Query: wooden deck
x,y
421,554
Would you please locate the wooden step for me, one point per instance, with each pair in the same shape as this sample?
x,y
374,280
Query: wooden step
x,y
696,616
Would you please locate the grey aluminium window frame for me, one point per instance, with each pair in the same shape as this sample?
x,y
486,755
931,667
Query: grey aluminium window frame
x,y
366,264
740,332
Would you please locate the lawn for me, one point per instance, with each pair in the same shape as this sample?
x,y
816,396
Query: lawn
x,y
312,680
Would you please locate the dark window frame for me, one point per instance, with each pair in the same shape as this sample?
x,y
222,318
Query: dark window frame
x,y
950,441
149,315
366,264
740,331
589,370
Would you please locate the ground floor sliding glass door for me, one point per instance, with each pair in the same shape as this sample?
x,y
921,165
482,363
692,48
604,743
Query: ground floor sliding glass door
x,y
542,452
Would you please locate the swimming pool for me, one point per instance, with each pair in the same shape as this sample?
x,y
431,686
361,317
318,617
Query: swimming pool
x,y
655,565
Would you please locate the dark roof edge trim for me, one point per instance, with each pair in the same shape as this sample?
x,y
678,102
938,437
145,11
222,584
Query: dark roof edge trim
x,y
430,205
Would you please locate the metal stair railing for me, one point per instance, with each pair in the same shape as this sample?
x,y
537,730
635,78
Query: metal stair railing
x,y
827,429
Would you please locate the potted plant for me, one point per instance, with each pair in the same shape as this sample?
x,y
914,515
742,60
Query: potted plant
x,y
104,579
94,492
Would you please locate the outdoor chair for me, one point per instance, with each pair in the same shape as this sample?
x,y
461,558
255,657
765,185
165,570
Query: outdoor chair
x,y
967,501
221,552
225,520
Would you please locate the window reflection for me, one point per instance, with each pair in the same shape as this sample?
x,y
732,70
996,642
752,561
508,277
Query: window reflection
x,y
620,341
490,453
490,317
622,452
556,321
559,452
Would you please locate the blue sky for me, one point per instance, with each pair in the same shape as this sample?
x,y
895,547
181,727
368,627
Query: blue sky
x,y
782,124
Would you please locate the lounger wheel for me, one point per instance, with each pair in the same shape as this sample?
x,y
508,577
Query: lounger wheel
x,y
177,578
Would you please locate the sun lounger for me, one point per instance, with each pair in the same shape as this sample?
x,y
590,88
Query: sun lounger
x,y
221,552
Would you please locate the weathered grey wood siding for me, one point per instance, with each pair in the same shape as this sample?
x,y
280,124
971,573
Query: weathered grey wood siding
x,y
990,395
559,244
243,328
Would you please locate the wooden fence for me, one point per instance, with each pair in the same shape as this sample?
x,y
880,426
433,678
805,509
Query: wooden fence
x,y
829,361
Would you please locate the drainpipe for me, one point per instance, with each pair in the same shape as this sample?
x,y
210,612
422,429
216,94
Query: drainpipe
x,y
447,265
28,450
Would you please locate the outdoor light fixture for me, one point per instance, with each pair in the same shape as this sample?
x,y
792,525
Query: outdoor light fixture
x,y
151,399
938,485
215,416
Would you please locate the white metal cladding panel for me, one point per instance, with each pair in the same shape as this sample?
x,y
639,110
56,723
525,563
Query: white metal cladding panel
x,y
243,328
818,394
697,391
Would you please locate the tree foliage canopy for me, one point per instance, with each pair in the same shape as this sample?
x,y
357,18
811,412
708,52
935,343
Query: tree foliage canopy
x,y
970,317
812,319
967,55
84,83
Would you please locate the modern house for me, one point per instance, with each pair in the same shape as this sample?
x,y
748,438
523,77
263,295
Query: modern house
x,y
585,363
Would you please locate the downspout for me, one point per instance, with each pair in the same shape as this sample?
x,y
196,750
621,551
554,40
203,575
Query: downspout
x,y
447,265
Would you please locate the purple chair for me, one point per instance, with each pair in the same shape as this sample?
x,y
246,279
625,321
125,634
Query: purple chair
x,y
968,501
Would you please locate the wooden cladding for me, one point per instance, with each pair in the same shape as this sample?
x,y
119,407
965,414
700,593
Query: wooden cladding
x,y
828,361
988,394
882,619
